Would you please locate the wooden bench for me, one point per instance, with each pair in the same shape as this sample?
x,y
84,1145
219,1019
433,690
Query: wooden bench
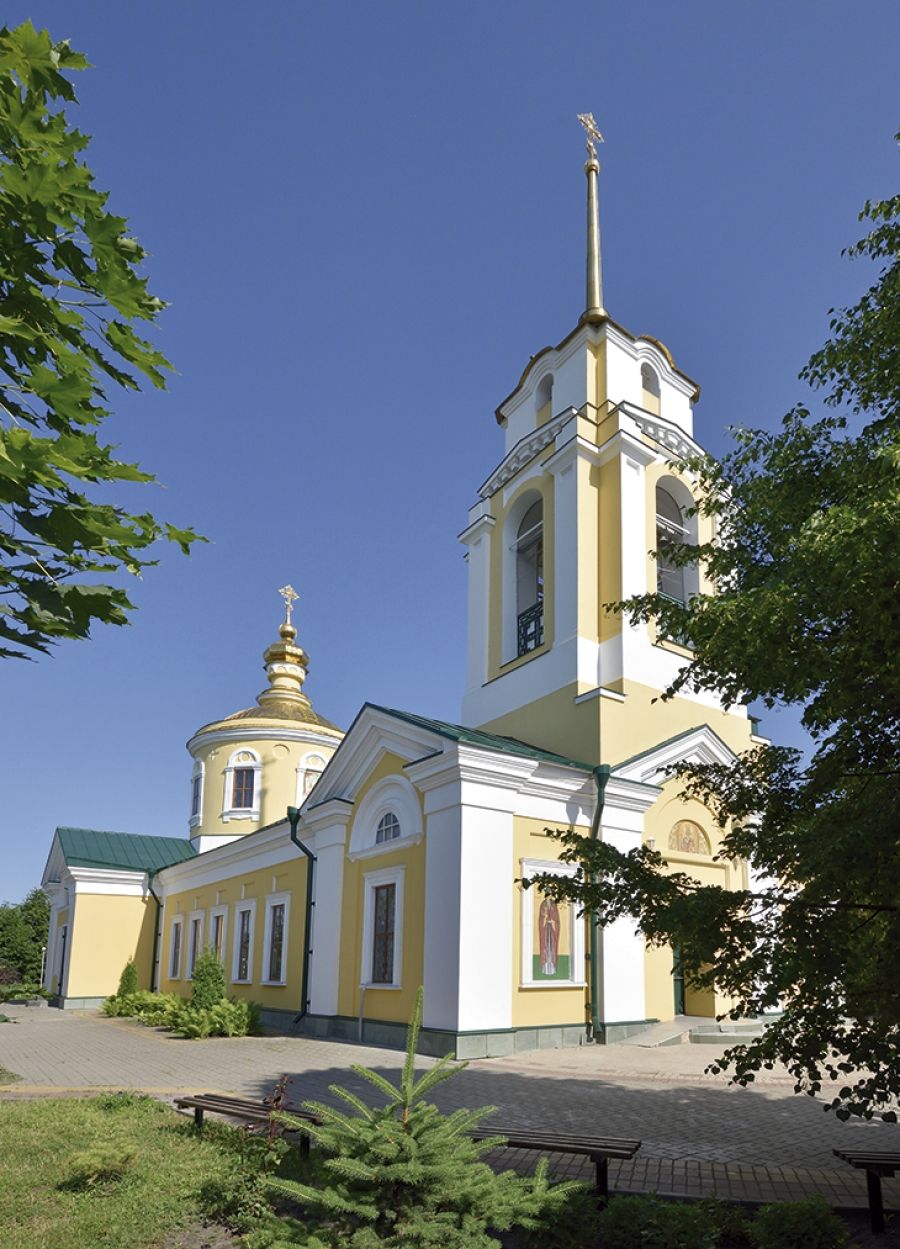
x,y
600,1149
877,1164
242,1108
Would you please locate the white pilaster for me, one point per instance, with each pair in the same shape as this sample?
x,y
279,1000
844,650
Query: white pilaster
x,y
325,832
477,538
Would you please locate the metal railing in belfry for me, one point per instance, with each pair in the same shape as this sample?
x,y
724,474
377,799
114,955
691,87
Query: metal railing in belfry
x,y
530,628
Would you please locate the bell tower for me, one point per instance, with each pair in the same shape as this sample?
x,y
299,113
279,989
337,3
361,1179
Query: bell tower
x,y
574,518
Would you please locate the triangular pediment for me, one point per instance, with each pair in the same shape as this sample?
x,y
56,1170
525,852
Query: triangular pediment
x,y
698,745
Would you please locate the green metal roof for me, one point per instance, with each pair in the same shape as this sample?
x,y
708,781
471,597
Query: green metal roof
x,y
490,741
88,847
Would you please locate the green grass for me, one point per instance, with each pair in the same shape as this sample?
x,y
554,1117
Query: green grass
x,y
7,1076
41,1207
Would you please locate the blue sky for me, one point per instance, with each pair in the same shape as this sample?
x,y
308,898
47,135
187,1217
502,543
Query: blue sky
x,y
366,217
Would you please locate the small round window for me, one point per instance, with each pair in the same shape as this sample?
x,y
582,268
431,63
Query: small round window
x,y
388,828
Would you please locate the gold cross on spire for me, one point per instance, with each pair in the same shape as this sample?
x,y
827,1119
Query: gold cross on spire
x,y
593,134
290,596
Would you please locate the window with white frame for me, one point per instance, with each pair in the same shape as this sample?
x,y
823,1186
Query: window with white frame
x,y
175,948
217,925
275,941
196,793
530,579
242,781
552,933
195,942
676,525
382,946
388,828
242,961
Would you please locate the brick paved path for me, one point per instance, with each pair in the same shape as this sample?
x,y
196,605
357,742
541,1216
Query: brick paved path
x,y
699,1136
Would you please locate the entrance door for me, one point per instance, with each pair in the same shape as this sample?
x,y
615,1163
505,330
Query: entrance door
x,y
678,980
63,932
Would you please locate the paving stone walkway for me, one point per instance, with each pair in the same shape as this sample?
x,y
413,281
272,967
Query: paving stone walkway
x,y
700,1137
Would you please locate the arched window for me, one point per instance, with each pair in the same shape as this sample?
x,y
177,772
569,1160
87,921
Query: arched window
x,y
670,528
196,793
689,838
312,768
649,389
529,556
242,786
388,828
543,397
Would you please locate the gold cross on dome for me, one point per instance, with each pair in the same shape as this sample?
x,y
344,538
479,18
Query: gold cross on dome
x,y
593,134
290,596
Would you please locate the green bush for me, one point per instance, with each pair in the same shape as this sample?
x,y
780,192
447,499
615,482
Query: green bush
x,y
648,1223
128,981
732,1223
807,1224
225,1018
404,1175
154,1009
573,1225
100,1165
208,981
12,992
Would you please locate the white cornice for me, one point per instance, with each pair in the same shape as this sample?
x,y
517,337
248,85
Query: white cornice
x,y
524,452
108,880
226,860
624,443
668,435
628,795
251,732
481,524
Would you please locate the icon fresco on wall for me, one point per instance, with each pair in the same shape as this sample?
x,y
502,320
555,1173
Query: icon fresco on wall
x,y
689,838
552,939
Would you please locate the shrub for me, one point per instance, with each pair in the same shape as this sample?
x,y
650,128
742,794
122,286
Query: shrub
x,y
12,992
807,1224
9,974
226,1018
405,1175
208,981
648,1223
128,981
732,1223
573,1225
103,1164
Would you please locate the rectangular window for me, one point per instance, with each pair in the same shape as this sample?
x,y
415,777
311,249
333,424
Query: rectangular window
x,y
276,941
242,961
194,948
175,952
195,796
384,907
242,788
218,933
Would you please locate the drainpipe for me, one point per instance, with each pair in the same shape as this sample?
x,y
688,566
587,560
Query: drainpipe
x,y
601,777
154,979
293,814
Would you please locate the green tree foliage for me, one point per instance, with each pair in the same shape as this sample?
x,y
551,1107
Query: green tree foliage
x,y
23,934
207,981
405,1175
807,614
71,296
128,981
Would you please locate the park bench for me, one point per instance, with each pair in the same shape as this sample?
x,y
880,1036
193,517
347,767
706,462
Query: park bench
x,y
600,1149
877,1164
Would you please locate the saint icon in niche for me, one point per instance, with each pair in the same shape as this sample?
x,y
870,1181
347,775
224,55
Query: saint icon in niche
x,y
548,927
551,949
689,838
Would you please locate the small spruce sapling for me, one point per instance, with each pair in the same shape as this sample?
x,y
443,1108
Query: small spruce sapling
x,y
208,980
128,981
404,1174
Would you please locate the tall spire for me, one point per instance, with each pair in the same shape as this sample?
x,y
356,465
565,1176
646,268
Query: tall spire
x,y
594,310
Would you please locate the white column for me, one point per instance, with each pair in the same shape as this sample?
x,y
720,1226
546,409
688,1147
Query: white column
x,y
622,946
443,860
565,546
328,885
477,538
486,926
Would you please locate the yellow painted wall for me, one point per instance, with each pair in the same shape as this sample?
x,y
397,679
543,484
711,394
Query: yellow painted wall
x,y
555,722
628,728
256,884
542,1005
106,931
388,1004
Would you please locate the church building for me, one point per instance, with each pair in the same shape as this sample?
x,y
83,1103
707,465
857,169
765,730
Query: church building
x,y
334,872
